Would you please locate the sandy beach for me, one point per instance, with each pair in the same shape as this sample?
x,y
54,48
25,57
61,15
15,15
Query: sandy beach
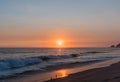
x,y
59,40
51,70
105,74
73,72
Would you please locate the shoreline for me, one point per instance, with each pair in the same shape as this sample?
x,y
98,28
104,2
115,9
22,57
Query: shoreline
x,y
52,68
105,74
38,76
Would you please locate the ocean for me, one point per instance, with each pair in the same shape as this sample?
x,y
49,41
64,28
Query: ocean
x,y
19,60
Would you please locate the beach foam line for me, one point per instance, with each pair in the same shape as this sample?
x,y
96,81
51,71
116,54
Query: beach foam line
x,y
12,66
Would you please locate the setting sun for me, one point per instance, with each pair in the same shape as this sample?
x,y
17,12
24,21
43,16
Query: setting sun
x,y
60,42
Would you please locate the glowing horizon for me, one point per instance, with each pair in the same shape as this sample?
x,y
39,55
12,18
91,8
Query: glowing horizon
x,y
40,23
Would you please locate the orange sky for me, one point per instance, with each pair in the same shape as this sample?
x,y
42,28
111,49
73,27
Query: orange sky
x,y
40,23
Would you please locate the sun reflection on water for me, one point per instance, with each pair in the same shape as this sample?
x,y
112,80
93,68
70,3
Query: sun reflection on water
x,y
62,73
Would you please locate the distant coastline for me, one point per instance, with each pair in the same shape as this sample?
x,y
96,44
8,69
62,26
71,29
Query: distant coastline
x,y
115,46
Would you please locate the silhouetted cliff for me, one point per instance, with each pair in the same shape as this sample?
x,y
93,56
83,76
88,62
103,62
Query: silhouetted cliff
x,y
117,46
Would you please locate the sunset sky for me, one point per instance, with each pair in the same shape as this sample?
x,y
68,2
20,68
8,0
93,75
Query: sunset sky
x,y
78,23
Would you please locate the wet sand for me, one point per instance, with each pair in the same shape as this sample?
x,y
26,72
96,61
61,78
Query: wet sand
x,y
24,77
104,74
63,70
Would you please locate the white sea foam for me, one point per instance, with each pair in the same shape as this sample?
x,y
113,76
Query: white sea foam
x,y
14,65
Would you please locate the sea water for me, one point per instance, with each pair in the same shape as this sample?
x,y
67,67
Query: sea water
x,y
19,60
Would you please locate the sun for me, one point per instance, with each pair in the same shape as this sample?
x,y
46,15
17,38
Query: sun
x,y
60,42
